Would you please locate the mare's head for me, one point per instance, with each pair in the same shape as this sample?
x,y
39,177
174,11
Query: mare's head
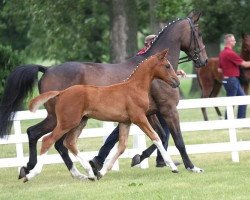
x,y
164,70
192,42
245,49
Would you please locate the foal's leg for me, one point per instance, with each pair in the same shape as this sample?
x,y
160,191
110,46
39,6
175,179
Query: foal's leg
x,y
70,143
123,139
47,142
143,123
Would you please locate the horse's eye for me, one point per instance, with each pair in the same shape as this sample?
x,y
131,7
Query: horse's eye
x,y
200,34
167,65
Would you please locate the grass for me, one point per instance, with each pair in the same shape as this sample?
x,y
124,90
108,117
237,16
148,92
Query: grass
x,y
222,179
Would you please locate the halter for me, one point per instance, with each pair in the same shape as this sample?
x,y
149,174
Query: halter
x,y
197,50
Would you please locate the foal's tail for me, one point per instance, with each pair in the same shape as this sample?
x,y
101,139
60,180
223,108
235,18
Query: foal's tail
x,y
41,99
17,87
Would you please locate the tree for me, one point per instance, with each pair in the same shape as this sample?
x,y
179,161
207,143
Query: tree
x,y
123,30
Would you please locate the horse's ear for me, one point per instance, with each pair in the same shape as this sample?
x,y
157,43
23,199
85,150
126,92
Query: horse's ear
x,y
194,16
162,54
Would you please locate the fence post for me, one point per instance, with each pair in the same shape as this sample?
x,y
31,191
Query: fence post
x,y
232,134
19,145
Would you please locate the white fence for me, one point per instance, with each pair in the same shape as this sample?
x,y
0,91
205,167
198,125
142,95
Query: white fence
x,y
139,142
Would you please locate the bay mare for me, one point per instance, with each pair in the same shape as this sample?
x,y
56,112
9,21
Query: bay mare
x,y
210,79
181,34
126,103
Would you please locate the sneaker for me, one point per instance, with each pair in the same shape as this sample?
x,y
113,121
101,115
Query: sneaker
x,y
136,160
96,166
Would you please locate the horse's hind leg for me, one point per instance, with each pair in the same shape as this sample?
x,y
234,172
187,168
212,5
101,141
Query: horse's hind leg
x,y
123,139
70,143
34,134
47,142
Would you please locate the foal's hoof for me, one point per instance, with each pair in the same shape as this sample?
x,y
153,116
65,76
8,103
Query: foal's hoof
x,y
23,172
136,160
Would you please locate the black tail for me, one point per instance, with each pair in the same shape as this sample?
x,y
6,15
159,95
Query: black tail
x,y
18,85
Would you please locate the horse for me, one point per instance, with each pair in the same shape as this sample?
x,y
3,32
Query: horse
x,y
181,34
126,103
210,78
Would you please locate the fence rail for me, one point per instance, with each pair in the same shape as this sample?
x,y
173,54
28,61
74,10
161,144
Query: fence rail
x,y
139,141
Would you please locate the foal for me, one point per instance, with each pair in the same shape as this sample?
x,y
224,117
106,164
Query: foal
x,y
126,103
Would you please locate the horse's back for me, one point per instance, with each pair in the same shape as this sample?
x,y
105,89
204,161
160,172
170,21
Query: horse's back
x,y
62,76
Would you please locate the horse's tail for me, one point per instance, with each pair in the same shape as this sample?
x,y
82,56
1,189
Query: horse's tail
x,y
41,99
18,85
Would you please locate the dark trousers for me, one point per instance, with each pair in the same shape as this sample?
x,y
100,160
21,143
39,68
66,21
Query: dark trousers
x,y
233,88
114,137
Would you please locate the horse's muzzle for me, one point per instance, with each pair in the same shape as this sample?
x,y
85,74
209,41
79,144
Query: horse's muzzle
x,y
200,63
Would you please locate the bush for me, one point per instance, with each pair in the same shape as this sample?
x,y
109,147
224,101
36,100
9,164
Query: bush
x,y
9,59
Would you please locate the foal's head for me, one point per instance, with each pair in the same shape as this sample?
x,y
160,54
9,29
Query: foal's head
x,y
164,70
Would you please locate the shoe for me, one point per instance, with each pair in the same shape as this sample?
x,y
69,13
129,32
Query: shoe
x,y
136,160
163,164
96,166
160,164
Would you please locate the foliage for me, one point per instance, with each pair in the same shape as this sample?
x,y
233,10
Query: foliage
x,y
222,17
9,59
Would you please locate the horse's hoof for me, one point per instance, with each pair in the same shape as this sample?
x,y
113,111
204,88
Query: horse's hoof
x,y
136,160
195,169
23,172
175,171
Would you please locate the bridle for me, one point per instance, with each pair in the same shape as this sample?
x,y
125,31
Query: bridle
x,y
196,56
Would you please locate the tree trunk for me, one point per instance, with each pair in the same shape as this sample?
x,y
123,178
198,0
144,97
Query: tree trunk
x,y
123,34
154,23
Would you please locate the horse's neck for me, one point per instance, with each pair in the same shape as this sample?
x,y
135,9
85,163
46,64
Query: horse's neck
x,y
170,38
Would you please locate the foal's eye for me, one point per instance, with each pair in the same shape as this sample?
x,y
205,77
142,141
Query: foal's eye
x,y
167,65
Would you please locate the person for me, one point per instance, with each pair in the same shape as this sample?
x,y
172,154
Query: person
x,y
147,42
230,63
98,161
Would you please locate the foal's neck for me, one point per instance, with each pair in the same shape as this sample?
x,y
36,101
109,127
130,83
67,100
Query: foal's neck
x,y
142,77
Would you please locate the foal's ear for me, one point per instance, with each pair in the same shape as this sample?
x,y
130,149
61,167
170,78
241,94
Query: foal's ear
x,y
162,54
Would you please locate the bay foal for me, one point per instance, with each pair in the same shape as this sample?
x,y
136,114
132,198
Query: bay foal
x,y
126,103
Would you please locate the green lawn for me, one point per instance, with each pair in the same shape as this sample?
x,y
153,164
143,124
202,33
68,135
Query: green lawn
x,y
222,180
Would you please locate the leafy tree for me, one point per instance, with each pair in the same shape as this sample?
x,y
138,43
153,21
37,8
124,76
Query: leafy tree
x,y
9,59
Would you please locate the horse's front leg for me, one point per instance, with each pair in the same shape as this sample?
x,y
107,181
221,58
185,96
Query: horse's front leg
x,y
123,140
172,118
144,125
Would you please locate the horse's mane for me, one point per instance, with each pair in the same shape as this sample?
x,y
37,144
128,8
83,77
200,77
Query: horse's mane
x,y
135,69
164,29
